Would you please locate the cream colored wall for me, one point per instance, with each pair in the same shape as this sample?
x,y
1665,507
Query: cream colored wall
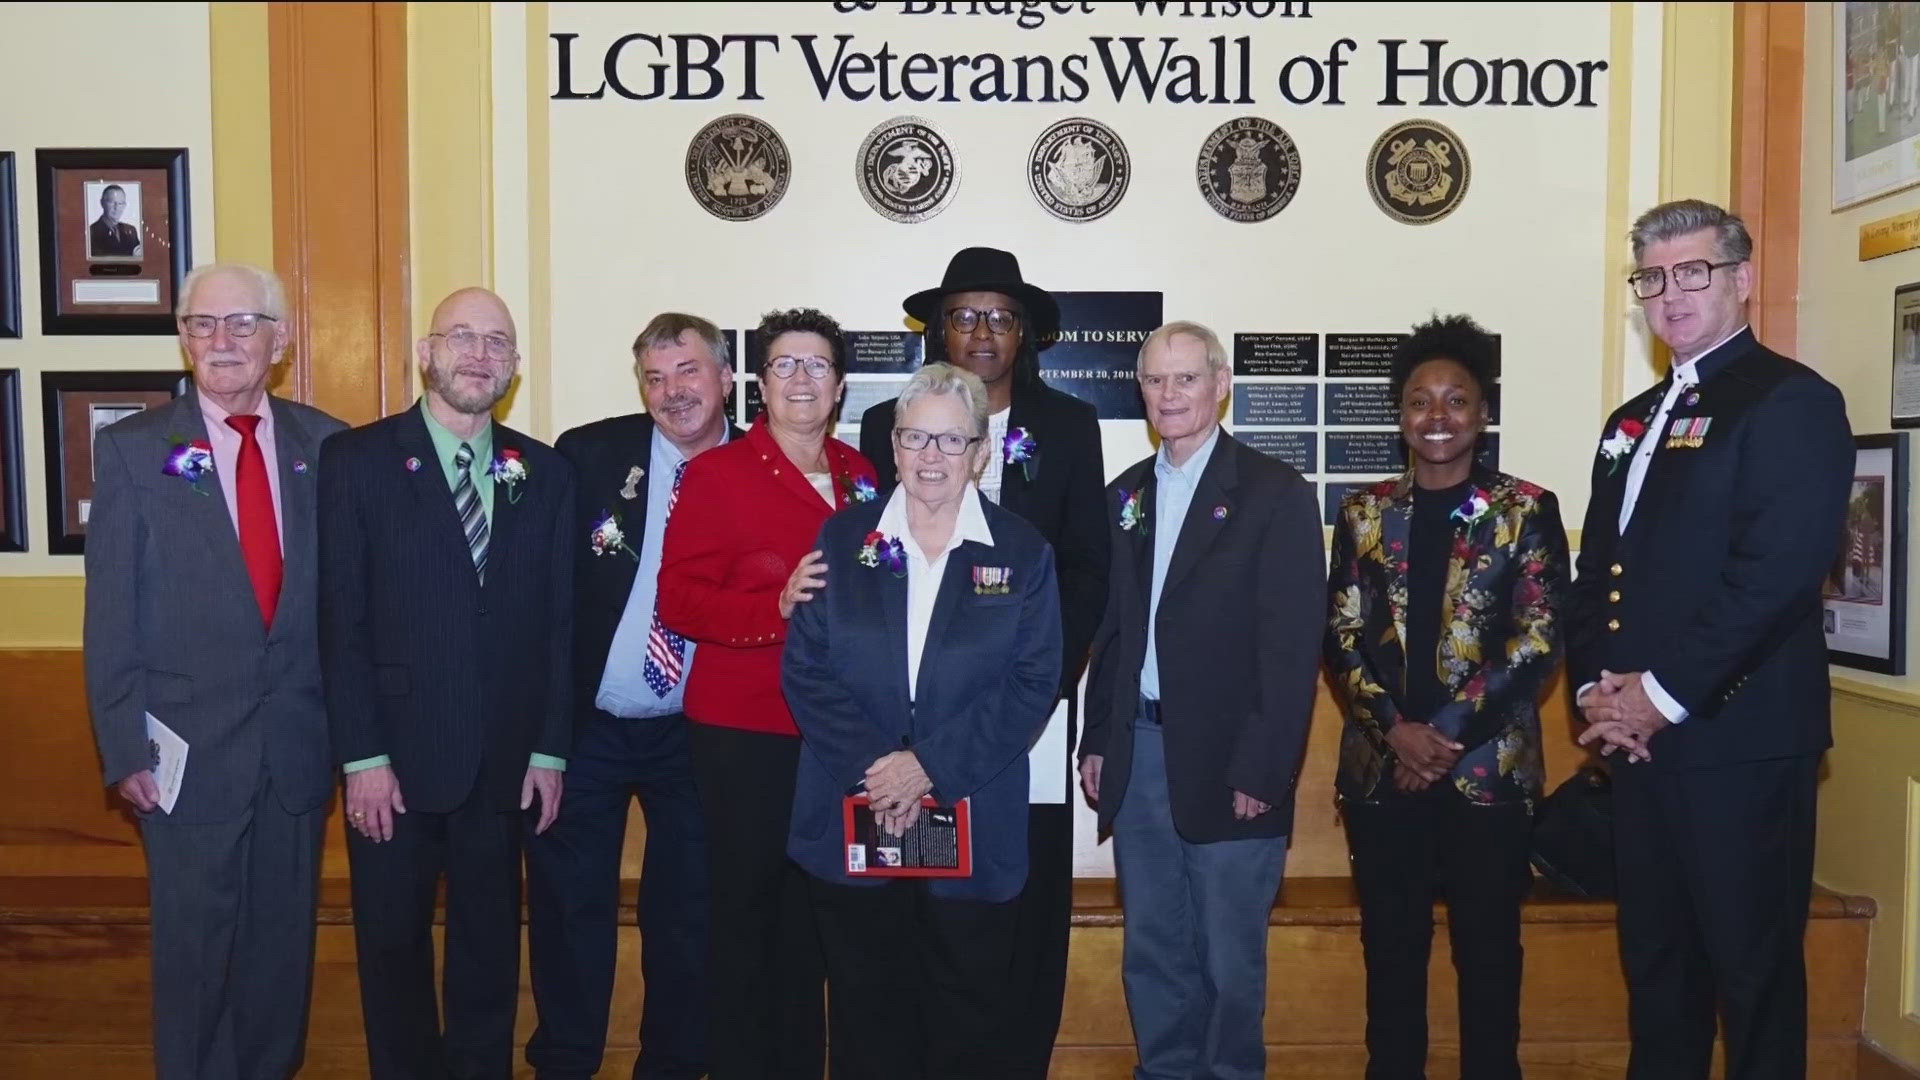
x,y
155,91
1846,331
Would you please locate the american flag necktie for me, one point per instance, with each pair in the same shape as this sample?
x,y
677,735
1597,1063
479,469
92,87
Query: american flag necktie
x,y
666,651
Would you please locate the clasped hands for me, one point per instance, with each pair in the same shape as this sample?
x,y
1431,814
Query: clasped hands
x,y
895,784
1620,715
1421,754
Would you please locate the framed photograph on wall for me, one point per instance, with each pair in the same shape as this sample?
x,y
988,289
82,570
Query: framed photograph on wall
x,y
115,239
1876,110
1865,594
13,473
9,249
75,406
1906,356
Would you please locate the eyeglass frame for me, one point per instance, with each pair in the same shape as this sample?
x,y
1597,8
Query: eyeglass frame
x,y
186,325
1667,276
935,441
482,341
771,367
982,316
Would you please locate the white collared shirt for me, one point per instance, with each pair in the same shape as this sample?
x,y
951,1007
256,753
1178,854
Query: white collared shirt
x,y
997,460
924,575
1172,498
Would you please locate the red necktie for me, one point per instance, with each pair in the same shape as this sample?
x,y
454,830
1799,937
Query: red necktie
x,y
259,535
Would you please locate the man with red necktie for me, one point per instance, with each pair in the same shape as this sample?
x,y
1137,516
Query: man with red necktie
x,y
200,613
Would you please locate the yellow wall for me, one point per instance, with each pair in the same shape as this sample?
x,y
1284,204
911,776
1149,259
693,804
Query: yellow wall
x,y
1846,330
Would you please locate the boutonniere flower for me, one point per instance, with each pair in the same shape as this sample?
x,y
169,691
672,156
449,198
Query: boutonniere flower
x,y
1473,508
1131,516
860,490
607,536
508,469
881,549
1019,449
190,461
1617,446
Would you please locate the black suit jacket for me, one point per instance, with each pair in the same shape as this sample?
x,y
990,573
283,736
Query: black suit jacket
x,y
118,239
1063,500
1239,625
455,681
1715,588
604,454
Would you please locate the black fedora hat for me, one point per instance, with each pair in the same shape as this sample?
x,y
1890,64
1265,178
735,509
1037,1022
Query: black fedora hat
x,y
984,269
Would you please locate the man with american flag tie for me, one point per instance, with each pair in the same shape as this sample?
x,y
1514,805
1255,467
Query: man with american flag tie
x,y
630,730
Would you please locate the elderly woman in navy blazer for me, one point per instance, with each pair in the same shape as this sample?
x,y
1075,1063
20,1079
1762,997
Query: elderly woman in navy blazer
x,y
926,665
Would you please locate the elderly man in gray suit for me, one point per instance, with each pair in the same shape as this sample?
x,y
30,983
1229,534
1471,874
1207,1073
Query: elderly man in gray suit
x,y
200,614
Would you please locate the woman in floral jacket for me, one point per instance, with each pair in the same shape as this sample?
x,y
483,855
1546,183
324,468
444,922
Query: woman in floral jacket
x,y
1444,595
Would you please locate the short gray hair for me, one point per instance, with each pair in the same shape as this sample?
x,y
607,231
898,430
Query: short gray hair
x,y
1687,216
273,295
944,378
666,330
1216,353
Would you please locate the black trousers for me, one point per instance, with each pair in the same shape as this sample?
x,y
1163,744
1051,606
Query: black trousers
x,y
919,983
1043,912
477,848
1715,874
768,981
573,903
1406,850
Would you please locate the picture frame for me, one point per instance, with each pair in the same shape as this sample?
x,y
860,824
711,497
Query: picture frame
x,y
1876,100
10,326
75,405
13,471
115,239
1904,409
1864,596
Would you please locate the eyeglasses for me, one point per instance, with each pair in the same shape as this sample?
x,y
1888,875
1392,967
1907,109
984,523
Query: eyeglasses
x,y
999,320
1692,276
239,324
816,367
950,443
469,343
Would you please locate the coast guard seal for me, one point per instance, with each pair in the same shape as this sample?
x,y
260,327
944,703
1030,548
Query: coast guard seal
x,y
1417,172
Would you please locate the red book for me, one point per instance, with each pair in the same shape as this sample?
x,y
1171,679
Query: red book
x,y
940,843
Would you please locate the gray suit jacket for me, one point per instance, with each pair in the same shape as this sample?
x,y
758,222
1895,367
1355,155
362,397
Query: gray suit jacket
x,y
172,627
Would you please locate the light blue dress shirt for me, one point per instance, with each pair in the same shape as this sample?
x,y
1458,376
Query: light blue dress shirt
x,y
623,689
1172,496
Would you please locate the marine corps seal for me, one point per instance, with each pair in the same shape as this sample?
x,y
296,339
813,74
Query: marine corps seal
x,y
737,168
1079,169
905,169
1249,169
1418,172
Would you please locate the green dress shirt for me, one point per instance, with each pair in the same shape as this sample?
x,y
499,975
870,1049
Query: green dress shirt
x,y
445,445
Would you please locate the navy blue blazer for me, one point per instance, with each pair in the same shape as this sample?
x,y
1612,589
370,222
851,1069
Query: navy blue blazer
x,y
989,675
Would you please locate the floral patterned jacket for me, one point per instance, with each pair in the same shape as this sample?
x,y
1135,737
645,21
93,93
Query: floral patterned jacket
x,y
1505,585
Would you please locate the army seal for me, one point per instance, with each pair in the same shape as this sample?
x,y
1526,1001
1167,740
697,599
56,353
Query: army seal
x,y
1079,169
1418,172
1249,169
737,168
905,169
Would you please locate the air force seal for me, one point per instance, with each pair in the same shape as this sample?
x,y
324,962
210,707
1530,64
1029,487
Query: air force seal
x,y
1249,169
1418,172
737,168
1079,169
906,171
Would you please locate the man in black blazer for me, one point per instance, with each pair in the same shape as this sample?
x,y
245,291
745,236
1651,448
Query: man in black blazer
x,y
446,583
1046,466
1718,502
108,236
629,733
1198,701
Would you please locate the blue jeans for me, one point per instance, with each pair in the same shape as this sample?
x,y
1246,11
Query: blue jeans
x,y
1194,961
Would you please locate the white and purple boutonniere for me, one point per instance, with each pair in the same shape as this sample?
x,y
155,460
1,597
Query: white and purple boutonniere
x,y
1131,515
607,536
190,461
883,550
1472,509
509,470
1019,449
1617,446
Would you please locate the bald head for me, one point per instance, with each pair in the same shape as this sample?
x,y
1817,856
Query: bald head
x,y
469,358
473,307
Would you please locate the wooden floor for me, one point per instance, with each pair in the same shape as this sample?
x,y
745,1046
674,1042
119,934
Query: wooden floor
x,y
74,991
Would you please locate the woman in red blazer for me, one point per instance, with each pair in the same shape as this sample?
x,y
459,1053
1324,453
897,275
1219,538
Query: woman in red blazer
x,y
745,516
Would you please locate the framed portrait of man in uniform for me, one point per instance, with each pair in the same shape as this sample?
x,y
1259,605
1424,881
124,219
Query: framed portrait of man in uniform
x,y
114,239
1864,596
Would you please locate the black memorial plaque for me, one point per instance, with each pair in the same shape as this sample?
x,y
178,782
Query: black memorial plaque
x,y
1096,354
890,352
1275,404
1299,449
1365,452
1351,404
1361,355
1276,354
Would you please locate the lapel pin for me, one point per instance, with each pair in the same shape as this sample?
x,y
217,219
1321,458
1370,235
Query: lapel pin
x,y
1693,398
633,477
1220,513
299,467
413,464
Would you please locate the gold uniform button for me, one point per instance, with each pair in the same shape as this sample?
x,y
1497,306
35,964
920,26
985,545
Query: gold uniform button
x,y
1613,624
1617,571
1614,596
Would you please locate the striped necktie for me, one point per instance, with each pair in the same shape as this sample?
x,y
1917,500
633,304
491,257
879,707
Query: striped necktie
x,y
666,651
473,520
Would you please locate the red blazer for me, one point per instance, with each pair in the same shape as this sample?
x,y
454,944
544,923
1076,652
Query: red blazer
x,y
744,519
